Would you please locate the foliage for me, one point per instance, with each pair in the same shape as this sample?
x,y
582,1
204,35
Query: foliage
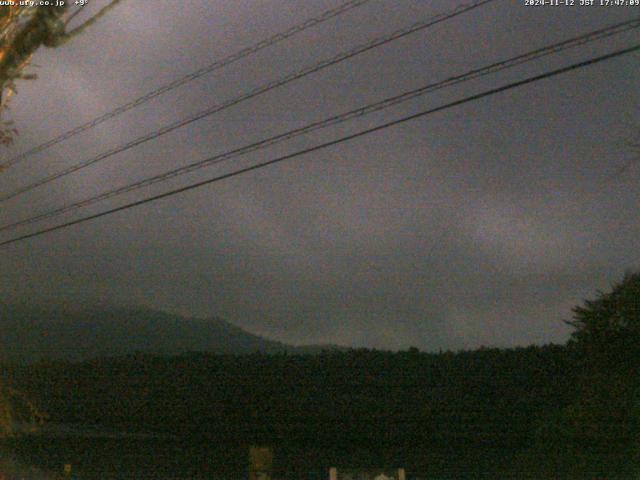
x,y
406,408
607,329
598,434
23,30
18,407
539,412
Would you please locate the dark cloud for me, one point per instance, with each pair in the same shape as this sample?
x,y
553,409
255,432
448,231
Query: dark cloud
x,y
483,224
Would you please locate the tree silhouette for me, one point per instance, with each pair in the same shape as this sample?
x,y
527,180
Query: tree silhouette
x,y
598,434
607,329
23,30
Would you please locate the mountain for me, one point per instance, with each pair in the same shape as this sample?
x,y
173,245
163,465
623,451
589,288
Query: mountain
x,y
30,334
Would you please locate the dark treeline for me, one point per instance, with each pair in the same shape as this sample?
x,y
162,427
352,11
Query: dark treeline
x,y
565,411
362,393
477,409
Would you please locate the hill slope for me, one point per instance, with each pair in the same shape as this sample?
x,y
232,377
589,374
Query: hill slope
x,y
28,334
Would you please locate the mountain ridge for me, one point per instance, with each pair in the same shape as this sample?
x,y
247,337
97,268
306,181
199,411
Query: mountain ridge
x,y
29,334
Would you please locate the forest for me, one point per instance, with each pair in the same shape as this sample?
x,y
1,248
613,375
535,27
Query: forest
x,y
568,410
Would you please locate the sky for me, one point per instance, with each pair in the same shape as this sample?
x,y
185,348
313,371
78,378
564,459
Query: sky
x,y
480,225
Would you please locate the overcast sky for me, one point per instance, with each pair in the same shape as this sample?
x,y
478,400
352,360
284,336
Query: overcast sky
x,y
480,225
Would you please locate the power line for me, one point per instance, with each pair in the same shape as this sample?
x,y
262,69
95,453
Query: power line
x,y
234,57
375,43
74,14
340,140
336,119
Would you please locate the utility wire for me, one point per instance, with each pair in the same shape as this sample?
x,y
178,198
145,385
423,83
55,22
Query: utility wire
x,y
340,140
87,23
234,57
74,14
336,119
375,43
